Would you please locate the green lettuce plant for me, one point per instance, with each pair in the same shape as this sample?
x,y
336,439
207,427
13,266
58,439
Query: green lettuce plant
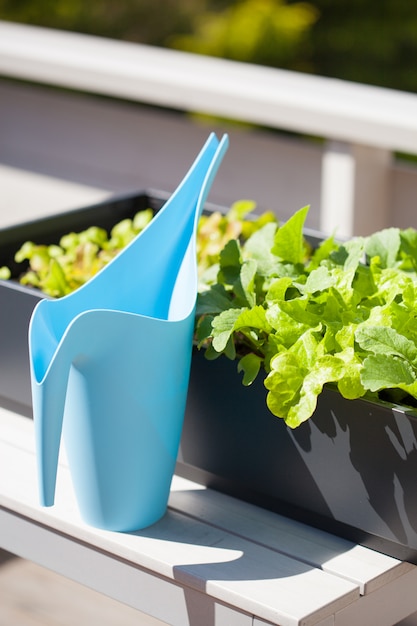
x,y
60,268
343,314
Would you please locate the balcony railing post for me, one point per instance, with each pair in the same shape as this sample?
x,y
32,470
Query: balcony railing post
x,y
355,189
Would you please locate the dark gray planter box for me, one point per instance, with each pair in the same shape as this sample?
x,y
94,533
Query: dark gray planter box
x,y
350,470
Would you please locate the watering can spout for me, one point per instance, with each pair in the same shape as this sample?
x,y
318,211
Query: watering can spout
x,y
48,395
48,440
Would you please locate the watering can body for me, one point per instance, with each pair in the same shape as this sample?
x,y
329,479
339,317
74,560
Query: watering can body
x,y
110,366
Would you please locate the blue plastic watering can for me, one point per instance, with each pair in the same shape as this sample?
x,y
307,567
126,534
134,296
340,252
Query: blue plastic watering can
x,y
110,366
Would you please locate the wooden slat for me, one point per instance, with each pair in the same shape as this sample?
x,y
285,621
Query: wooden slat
x,y
366,568
269,96
328,621
187,551
143,589
224,552
382,607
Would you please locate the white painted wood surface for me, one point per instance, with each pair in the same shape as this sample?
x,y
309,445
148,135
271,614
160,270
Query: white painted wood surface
x,y
215,560
356,188
303,103
371,121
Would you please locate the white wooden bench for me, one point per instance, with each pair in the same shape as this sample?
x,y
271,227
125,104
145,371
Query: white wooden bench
x,y
211,561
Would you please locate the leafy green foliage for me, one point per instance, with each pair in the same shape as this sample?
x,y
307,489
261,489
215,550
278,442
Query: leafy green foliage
x,y
4,273
147,21
266,32
60,268
365,41
343,314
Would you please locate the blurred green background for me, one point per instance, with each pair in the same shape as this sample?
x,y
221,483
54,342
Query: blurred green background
x,y
359,40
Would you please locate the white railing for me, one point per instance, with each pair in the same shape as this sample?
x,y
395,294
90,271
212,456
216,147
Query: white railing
x,y
361,125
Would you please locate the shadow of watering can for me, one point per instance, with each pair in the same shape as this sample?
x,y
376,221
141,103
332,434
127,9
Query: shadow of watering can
x,y
110,366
